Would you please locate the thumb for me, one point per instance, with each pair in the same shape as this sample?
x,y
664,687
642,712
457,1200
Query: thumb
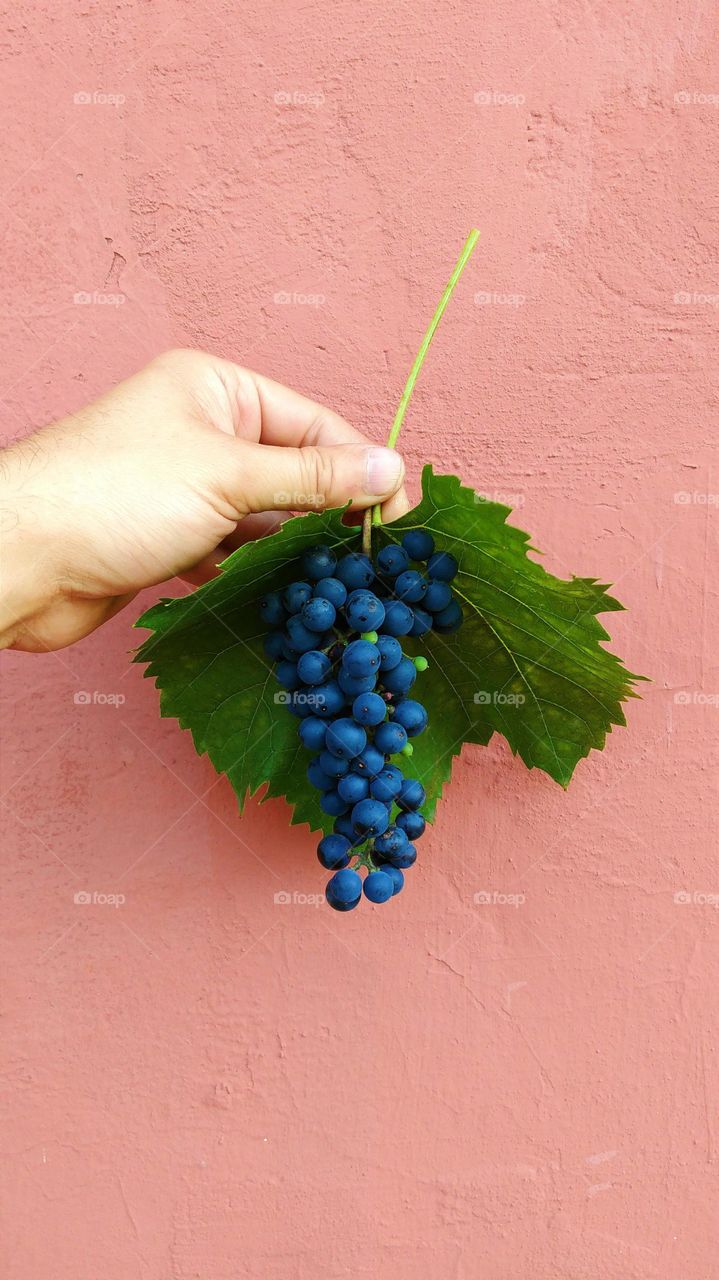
x,y
266,477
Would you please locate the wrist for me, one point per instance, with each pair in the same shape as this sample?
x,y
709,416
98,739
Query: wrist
x,y
29,571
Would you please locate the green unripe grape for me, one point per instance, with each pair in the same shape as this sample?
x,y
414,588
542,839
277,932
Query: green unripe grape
x,y
407,750
370,635
420,663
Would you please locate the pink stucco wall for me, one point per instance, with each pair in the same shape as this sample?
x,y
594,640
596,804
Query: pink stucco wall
x,y
200,1082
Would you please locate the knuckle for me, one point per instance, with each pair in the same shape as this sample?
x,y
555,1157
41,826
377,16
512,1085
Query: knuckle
x,y
317,471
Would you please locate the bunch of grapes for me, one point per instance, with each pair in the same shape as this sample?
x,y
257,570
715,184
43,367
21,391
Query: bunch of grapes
x,y
335,639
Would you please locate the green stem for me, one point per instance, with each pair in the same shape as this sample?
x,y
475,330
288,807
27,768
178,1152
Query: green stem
x,y
373,516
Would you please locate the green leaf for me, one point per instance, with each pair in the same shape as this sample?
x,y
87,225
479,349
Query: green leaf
x,y
527,663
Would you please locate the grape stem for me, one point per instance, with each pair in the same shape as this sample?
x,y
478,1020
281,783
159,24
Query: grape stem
x,y
373,515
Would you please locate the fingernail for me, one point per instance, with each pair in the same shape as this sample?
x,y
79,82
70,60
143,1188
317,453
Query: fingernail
x,y
384,470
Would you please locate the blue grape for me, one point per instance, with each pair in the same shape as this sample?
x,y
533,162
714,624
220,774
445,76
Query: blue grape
x,y
370,818
398,618
344,890
390,651
392,560
286,673
390,738
328,699
331,802
412,823
318,615
405,859
361,658
343,827
411,715
369,762
345,738
418,544
422,622
387,784
437,596
355,570
317,563
412,794
318,777
369,709
401,678
330,589
298,636
450,619
274,645
443,566
391,842
410,586
353,788
378,887
333,765
354,685
313,667
312,733
364,611
396,876
272,609
334,852
296,595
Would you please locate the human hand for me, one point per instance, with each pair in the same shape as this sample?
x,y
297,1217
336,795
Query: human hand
x,y
166,474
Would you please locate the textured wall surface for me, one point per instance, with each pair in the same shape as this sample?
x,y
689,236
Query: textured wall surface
x,y
199,1082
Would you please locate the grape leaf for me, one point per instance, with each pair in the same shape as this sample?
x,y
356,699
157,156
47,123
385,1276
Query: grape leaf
x,y
527,663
